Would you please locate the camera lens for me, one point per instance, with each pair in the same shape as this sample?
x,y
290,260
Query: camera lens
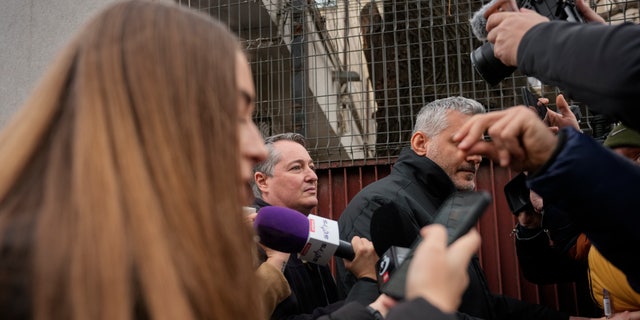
x,y
488,66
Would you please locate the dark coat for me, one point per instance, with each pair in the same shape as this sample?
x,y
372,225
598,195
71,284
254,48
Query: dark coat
x,y
593,63
397,206
401,193
599,189
415,309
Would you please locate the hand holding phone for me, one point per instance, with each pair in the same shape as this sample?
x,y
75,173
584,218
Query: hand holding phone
x,y
531,100
459,213
440,273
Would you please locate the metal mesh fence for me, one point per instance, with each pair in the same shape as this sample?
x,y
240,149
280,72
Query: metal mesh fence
x,y
351,75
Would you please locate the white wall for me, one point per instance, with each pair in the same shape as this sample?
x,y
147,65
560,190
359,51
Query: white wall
x,y
31,34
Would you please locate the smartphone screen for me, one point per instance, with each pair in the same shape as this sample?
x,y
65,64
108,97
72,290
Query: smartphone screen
x,y
459,213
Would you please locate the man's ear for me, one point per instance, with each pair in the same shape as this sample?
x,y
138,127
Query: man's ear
x,y
261,180
420,143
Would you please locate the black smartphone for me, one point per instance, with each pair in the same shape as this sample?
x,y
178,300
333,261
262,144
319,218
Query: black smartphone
x,y
459,213
531,100
517,194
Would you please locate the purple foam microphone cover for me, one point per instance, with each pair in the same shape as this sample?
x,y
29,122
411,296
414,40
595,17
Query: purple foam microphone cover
x,y
282,229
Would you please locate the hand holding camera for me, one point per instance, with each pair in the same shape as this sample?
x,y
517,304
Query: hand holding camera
x,y
497,58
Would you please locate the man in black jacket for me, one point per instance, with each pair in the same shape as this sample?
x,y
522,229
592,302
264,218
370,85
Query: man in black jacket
x,y
392,210
287,178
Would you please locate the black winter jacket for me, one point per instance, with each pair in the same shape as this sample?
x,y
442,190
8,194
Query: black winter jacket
x,y
593,63
391,211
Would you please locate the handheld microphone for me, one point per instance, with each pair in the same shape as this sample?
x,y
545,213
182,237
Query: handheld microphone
x,y
314,237
479,20
389,262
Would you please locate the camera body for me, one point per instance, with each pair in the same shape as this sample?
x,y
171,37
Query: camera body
x,y
491,68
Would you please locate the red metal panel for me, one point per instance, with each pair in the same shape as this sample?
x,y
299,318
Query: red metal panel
x,y
338,185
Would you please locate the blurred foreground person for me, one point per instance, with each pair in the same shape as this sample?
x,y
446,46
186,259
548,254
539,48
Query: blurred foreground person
x,y
120,191
123,176
550,249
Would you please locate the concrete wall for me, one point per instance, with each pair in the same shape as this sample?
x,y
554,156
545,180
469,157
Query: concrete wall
x,y
31,34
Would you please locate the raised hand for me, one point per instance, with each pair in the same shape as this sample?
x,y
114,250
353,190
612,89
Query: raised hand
x,y
439,273
563,118
519,138
506,30
364,262
587,13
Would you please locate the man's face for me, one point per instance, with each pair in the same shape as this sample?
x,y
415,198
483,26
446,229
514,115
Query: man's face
x,y
294,181
440,149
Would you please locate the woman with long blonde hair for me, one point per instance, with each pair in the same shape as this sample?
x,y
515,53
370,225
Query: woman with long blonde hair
x,y
123,176
117,197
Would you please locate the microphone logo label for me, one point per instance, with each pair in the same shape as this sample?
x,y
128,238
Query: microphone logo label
x,y
384,265
323,240
317,254
325,229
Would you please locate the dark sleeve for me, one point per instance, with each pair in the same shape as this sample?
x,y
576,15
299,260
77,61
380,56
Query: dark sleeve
x,y
318,313
600,191
418,309
365,291
510,308
350,311
355,220
414,309
391,226
592,63
345,280
464,316
544,254
542,263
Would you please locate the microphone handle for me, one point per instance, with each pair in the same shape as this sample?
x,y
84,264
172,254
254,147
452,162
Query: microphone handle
x,y
345,250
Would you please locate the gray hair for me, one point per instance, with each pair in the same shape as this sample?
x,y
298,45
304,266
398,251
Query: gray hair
x,y
273,156
432,118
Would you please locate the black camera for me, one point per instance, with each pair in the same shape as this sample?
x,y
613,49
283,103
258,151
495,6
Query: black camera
x,y
491,68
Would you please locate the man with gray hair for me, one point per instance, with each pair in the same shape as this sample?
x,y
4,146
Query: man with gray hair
x,y
427,172
392,210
